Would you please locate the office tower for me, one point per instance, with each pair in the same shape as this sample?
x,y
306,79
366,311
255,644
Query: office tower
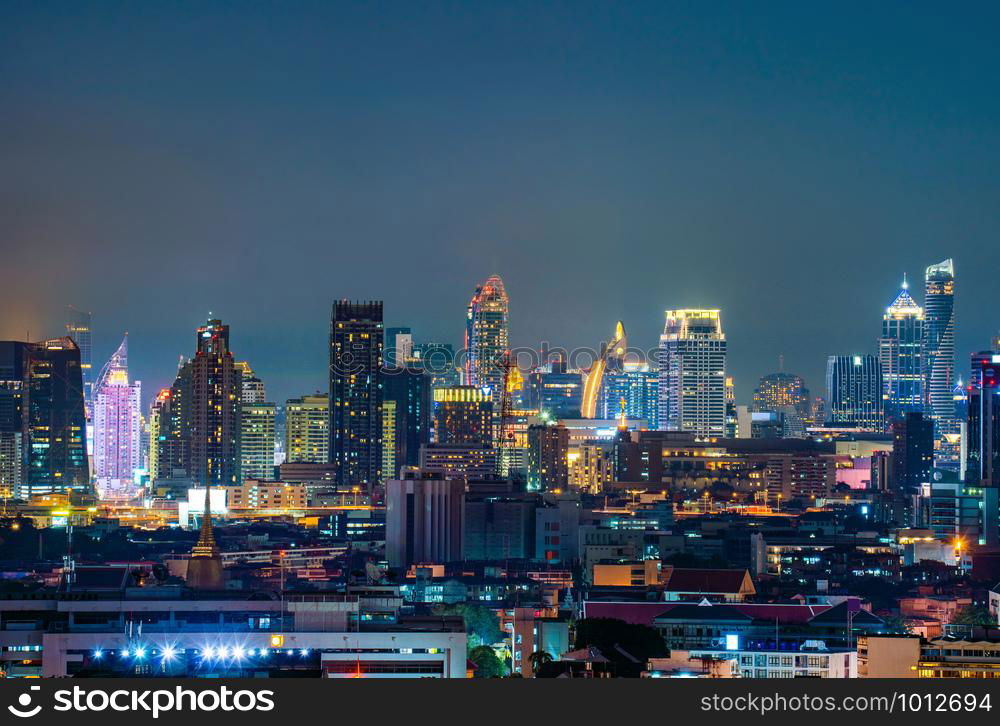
x,y
423,519
78,328
438,362
487,337
398,347
939,344
983,448
854,392
692,369
54,423
257,434
117,432
900,352
548,457
12,358
356,392
410,389
389,438
784,394
203,435
556,391
253,387
732,416
157,424
307,429
610,358
639,387
983,445
470,462
912,452
463,415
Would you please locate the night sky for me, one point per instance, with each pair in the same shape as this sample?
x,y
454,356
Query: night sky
x,y
784,162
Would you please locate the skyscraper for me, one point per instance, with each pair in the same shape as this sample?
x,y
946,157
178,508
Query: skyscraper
x,y
307,429
410,389
203,422
487,336
785,394
117,430
463,415
253,387
692,369
639,387
257,440
983,456
939,344
438,362
398,346
356,340
901,355
912,452
54,423
78,327
12,359
854,392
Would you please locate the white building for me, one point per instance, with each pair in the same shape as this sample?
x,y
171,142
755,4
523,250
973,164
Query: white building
x,y
692,391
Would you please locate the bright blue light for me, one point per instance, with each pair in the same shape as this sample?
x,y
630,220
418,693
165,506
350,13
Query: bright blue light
x,y
140,652
209,652
125,653
304,651
238,652
98,654
169,653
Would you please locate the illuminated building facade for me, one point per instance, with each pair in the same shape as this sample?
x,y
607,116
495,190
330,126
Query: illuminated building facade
x,y
54,434
253,387
901,355
487,336
639,387
356,341
200,431
614,349
79,329
257,432
463,415
555,390
117,426
157,421
939,344
548,457
389,438
438,361
692,367
410,389
307,429
854,392
785,394
12,358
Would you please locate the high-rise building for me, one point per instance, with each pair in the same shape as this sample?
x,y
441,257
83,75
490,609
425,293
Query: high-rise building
x,y
12,359
398,347
901,355
463,415
983,465
78,327
307,429
389,438
548,457
253,387
732,414
202,436
54,423
438,362
424,519
556,390
638,387
692,370
356,340
854,392
784,394
158,424
912,452
410,389
257,433
117,426
610,358
939,344
487,336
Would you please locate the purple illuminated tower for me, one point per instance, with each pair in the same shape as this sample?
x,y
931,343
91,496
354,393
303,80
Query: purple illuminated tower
x,y
117,427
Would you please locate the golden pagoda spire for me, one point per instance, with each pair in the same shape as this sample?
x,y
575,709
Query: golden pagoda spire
x,y
206,546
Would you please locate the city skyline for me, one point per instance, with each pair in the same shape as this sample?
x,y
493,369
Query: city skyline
x,y
598,191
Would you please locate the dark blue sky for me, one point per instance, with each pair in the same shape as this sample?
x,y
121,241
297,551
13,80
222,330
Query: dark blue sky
x,y
786,162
